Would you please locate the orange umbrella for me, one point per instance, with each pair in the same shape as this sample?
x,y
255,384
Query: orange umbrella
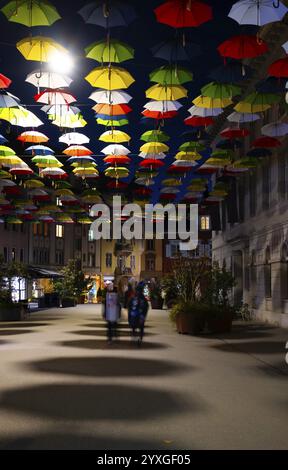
x,y
112,110
117,159
77,151
33,137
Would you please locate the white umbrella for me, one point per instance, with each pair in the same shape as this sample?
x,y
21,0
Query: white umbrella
x,y
275,129
285,47
205,112
157,156
169,190
163,106
187,163
8,101
74,138
257,12
110,97
70,121
52,172
37,192
56,97
145,181
4,183
115,149
41,79
243,117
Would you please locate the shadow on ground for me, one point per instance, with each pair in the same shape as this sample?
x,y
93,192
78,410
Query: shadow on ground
x,y
14,332
106,366
98,402
101,324
253,347
276,370
30,324
102,344
103,333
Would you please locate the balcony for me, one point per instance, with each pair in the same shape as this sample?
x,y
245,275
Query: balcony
x,y
123,249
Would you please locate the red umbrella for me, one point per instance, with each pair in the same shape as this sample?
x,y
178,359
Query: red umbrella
x,y
178,169
112,110
243,47
117,185
149,163
198,121
231,133
5,82
11,190
279,68
183,13
159,115
168,196
55,97
117,159
143,191
21,171
266,142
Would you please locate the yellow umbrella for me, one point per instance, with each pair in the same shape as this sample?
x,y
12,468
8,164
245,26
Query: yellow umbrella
x,y
166,93
81,171
39,48
70,121
210,103
188,156
20,117
172,182
63,192
13,160
154,147
220,162
115,137
243,107
110,78
117,172
32,184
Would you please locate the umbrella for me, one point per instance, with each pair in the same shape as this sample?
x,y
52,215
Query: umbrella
x,y
171,75
220,90
74,138
191,146
164,93
151,163
3,139
118,117
154,147
110,51
210,103
117,172
279,68
60,110
243,47
262,98
21,171
275,129
31,12
8,161
232,72
4,174
39,48
258,12
117,159
115,149
156,156
112,122
242,107
6,151
32,184
33,137
48,161
112,97
266,142
234,133
171,182
110,78
70,121
4,81
243,117
51,80
115,137
188,155
205,112
39,150
81,161
163,106
54,173
154,136
112,110
271,85
55,97
183,13
174,50
159,114
20,117
77,151
8,101
108,14
198,121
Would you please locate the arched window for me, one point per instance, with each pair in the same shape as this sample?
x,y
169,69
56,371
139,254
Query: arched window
x,y
267,274
284,271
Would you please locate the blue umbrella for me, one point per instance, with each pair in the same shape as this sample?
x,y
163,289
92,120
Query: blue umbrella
x,y
229,144
271,85
259,153
231,72
3,140
80,160
173,50
108,14
107,117
39,150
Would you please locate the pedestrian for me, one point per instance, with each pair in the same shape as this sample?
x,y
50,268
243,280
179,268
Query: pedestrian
x,y
128,295
112,311
137,313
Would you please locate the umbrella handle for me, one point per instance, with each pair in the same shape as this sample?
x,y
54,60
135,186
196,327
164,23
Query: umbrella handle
x,y
276,4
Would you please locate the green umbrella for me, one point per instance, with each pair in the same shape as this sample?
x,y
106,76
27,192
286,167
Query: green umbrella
x,y
262,98
220,90
171,75
6,151
221,153
154,136
109,51
191,146
31,12
250,162
112,123
62,185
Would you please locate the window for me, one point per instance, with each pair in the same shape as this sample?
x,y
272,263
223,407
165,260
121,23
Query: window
x,y
150,245
205,222
59,231
108,260
284,272
132,262
5,254
90,236
59,257
46,230
150,263
13,254
91,260
267,274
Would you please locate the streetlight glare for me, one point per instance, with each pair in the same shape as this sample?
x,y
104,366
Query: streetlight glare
x,y
61,63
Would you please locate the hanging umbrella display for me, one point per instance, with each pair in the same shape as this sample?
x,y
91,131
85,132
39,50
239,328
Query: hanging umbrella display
x,y
32,184
210,103
192,147
275,129
151,163
112,122
279,68
112,110
262,98
163,106
154,136
115,149
243,117
117,160
7,161
243,108
198,121
40,48
204,112
183,13
31,12
54,173
112,97
110,78
108,14
156,156
115,136
48,161
4,81
234,133
77,150
231,72
154,147
220,90
70,121
39,150
266,142
33,137
21,171
110,50
175,51
189,155
20,117
171,75
55,97
166,93
7,100
51,80
159,115
74,138
81,161
6,151
259,12
243,47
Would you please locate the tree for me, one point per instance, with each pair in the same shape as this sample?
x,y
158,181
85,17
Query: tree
x,y
73,281
8,272
189,276
219,285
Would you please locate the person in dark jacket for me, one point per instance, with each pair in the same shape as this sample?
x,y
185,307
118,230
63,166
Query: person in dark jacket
x,y
137,313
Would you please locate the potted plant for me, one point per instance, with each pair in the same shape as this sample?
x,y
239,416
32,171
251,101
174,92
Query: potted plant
x,y
9,309
189,317
155,294
71,285
169,288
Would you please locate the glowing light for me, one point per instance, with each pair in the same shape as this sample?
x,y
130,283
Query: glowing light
x,y
62,63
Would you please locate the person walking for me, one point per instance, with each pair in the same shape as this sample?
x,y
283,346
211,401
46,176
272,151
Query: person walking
x,y
137,313
112,312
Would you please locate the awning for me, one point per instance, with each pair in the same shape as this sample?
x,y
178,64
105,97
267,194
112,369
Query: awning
x,y
41,273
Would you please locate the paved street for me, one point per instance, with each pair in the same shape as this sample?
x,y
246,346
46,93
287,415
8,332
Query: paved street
x,y
64,387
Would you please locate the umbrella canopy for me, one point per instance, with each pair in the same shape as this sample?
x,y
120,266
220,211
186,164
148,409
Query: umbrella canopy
x,y
279,68
112,14
154,147
198,121
4,81
243,47
258,12
77,151
8,101
234,133
117,172
232,72
112,122
115,149
262,98
164,93
210,103
151,163
183,13
48,161
205,112
243,117
175,51
163,106
112,110
266,142
115,136
111,51
39,48
154,136
242,107
51,80
39,150
112,97
32,184
69,121
31,12
117,159
33,137
159,114
220,90
6,151
55,97
54,173
20,117
110,78
191,146
275,129
74,138
171,75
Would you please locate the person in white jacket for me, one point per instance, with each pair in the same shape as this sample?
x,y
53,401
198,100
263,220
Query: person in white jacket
x,y
112,312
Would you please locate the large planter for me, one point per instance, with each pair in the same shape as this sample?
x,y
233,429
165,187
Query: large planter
x,y
219,324
13,313
189,324
66,303
157,304
81,299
